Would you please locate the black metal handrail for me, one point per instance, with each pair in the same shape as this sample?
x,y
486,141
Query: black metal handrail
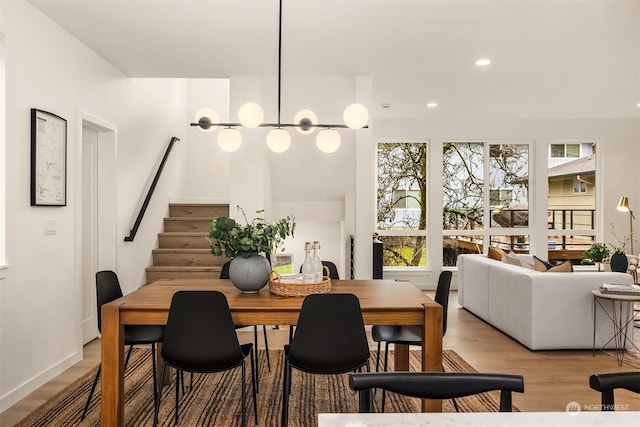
x,y
145,204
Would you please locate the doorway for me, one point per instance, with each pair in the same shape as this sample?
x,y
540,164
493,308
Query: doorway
x,y
99,196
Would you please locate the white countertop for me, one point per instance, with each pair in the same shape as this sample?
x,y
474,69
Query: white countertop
x,y
488,419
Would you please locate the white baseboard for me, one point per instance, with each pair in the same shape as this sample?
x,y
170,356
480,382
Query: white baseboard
x,y
14,396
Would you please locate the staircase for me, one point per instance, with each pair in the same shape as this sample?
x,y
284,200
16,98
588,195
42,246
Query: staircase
x,y
183,250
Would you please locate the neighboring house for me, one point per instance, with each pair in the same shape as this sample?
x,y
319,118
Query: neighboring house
x,y
572,193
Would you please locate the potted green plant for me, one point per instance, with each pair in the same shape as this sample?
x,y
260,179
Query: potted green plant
x,y
242,245
596,254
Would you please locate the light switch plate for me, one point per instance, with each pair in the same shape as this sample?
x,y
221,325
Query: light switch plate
x,y
50,227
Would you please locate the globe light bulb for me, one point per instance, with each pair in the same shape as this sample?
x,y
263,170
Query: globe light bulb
x,y
328,140
355,116
250,115
229,139
278,140
305,118
206,116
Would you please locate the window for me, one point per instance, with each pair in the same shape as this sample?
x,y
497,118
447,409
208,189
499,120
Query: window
x,y
485,188
572,204
564,150
401,203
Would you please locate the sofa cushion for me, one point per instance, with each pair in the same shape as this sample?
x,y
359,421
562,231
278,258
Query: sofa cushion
x,y
495,253
565,267
540,265
512,258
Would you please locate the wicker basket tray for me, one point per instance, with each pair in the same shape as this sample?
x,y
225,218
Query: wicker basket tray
x,y
298,290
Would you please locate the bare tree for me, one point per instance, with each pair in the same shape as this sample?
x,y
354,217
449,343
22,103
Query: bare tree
x,y
402,182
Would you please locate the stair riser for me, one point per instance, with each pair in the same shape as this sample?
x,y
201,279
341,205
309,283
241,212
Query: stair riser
x,y
157,275
206,211
173,224
186,258
183,242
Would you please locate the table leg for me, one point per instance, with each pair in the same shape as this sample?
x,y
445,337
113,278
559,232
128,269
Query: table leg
x,y
112,407
400,357
432,349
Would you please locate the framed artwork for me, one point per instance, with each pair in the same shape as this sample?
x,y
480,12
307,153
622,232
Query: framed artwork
x,y
48,159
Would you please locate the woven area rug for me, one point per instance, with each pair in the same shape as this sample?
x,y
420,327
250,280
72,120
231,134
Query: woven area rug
x,y
214,399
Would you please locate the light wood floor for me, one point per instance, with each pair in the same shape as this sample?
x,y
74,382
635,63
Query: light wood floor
x,y
552,378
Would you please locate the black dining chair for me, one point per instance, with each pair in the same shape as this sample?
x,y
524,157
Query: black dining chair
x,y
435,385
330,339
411,335
333,275
224,274
108,289
200,337
608,382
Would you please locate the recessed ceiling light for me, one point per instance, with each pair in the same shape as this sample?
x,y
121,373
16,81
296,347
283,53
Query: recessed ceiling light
x,y
638,104
432,104
483,62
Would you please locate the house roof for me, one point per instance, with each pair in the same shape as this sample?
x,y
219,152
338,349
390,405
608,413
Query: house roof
x,y
582,166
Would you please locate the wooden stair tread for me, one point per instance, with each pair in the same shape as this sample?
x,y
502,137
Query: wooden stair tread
x,y
182,250
189,218
183,233
184,268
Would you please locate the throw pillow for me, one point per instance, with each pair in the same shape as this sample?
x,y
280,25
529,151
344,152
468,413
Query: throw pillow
x,y
513,259
495,253
565,267
540,265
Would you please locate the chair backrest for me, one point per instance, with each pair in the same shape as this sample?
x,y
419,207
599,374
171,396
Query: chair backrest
x,y
224,273
607,383
435,385
200,335
442,296
107,289
333,270
330,335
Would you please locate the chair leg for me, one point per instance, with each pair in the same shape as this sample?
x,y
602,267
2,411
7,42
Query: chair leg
x,y
255,345
93,388
266,346
386,361
153,370
378,357
244,394
253,385
157,403
285,393
126,362
177,395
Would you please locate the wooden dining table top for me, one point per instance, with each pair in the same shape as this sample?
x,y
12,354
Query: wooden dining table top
x,y
377,297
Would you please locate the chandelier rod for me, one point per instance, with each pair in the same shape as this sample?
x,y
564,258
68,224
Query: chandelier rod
x,y
279,59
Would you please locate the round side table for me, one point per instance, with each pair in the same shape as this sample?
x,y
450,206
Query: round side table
x,y
619,309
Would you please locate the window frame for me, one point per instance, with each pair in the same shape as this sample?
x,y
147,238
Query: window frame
x,y
406,232
488,231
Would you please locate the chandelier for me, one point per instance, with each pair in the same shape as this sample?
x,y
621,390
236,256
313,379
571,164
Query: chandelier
x,y
251,115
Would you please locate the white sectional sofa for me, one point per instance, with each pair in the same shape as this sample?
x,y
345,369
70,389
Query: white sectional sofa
x,y
542,310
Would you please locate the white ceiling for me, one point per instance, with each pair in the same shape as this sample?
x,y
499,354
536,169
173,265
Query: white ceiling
x,y
551,58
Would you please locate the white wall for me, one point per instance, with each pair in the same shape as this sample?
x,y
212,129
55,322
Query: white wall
x,y
40,298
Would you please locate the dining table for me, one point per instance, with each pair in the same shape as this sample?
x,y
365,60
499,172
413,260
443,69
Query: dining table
x,y
383,302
